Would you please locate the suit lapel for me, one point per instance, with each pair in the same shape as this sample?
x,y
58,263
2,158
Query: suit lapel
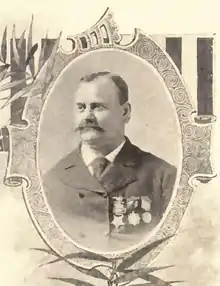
x,y
121,172
77,175
116,176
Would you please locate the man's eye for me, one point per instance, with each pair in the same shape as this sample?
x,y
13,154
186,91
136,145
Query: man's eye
x,y
81,107
98,106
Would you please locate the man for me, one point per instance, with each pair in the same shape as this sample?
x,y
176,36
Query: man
x,y
107,181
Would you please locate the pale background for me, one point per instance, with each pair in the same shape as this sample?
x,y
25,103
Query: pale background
x,y
195,251
153,117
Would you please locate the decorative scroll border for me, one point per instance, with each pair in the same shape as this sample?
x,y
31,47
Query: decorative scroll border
x,y
196,139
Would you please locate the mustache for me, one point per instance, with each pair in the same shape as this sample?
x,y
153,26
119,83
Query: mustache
x,y
84,126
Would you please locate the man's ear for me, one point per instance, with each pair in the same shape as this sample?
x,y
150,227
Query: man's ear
x,y
126,112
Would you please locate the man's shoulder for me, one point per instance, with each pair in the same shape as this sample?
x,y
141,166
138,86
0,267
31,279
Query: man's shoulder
x,y
150,159
63,164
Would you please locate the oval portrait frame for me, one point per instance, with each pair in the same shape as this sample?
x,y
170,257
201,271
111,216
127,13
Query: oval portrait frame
x,y
196,139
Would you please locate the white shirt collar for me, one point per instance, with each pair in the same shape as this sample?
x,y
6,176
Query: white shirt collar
x,y
111,156
89,155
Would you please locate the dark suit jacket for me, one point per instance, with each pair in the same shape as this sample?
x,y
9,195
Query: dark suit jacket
x,y
80,202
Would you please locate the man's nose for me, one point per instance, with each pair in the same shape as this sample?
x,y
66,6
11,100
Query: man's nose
x,y
89,117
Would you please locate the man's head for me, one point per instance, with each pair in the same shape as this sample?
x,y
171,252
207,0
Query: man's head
x,y
101,108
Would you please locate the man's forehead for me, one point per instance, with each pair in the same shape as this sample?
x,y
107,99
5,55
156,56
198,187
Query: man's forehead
x,y
102,87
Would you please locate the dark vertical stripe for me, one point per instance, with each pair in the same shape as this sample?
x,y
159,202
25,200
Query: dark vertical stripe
x,y
174,49
4,139
204,75
18,105
1,141
48,47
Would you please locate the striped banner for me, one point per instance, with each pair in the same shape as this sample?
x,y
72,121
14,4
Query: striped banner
x,y
19,69
193,56
205,74
174,49
203,78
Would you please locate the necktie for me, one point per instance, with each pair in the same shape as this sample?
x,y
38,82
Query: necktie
x,y
98,166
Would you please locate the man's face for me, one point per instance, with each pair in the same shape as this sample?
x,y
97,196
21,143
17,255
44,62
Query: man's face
x,y
97,110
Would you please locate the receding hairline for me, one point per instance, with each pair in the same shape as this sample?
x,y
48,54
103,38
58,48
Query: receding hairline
x,y
117,80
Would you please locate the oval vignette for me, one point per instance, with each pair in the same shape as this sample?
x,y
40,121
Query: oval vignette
x,y
153,127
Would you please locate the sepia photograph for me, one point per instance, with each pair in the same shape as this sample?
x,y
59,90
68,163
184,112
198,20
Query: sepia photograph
x,y
109,149
108,144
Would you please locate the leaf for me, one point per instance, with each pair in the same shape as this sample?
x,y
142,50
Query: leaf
x,y
138,273
6,97
17,95
83,255
31,49
128,277
10,73
30,59
42,54
2,75
2,68
145,284
155,280
3,71
4,46
11,84
33,92
51,60
150,269
48,251
31,53
29,44
140,253
91,272
21,41
176,281
14,47
90,256
44,76
73,281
